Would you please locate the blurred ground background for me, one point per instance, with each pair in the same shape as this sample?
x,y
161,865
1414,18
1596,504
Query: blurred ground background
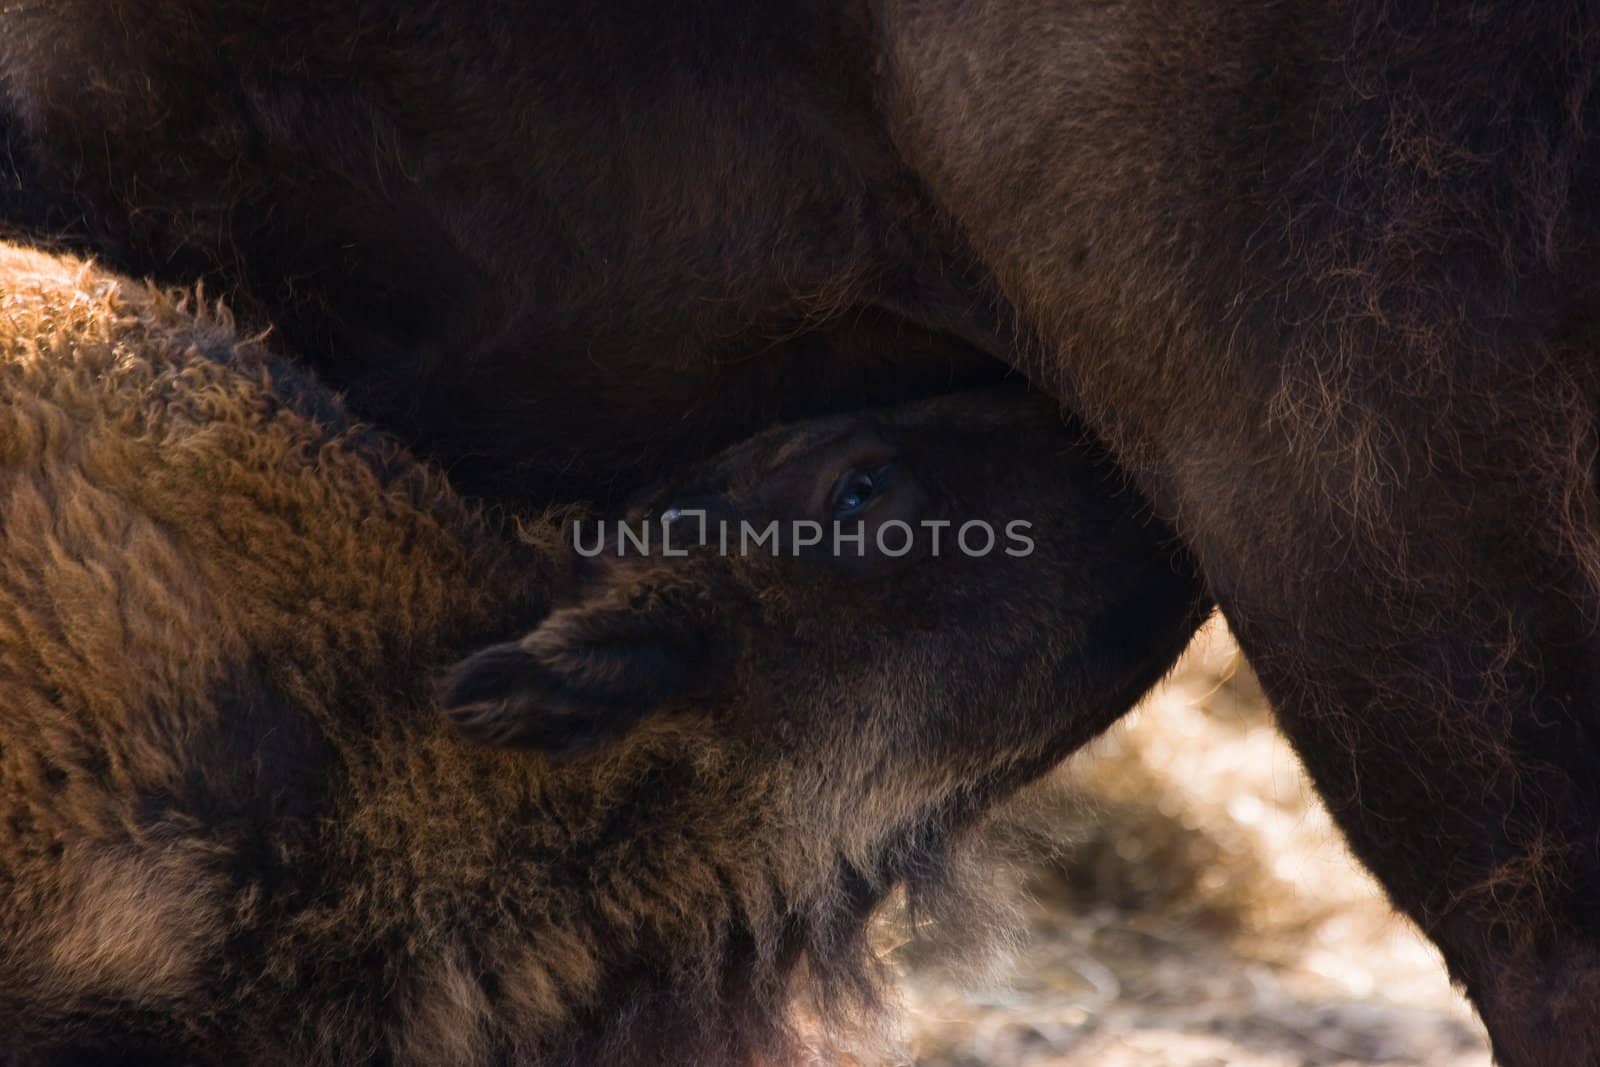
x,y
1187,903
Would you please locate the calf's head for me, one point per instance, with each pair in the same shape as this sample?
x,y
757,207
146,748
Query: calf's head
x,y
927,606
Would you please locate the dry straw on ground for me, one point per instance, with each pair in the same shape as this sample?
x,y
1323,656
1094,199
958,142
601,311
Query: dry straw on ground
x,y
1187,902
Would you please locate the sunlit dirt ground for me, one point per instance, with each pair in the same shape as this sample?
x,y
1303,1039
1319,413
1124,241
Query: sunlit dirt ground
x,y
1187,902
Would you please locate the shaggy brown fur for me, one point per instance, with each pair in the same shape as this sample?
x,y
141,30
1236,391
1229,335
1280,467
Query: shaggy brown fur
x,y
362,175
1326,275
1323,273
233,829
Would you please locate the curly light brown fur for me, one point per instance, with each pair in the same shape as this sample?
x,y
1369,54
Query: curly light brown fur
x,y
193,534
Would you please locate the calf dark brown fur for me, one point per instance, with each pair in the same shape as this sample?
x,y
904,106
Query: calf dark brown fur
x,y
235,830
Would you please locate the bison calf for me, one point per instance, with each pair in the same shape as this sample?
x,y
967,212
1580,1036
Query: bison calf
x,y
234,828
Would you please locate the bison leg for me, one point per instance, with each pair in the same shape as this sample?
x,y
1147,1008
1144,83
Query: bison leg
x,y
1310,269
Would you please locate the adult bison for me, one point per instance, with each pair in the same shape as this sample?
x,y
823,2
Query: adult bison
x,y
1321,273
235,830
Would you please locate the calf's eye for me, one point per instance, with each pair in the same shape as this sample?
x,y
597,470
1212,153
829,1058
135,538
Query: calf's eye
x,y
856,490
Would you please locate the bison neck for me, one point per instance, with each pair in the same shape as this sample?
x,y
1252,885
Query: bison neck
x,y
658,904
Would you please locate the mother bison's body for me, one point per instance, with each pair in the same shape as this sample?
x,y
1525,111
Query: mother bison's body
x,y
1323,274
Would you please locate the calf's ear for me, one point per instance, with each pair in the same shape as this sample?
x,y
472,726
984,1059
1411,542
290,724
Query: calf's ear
x,y
586,674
